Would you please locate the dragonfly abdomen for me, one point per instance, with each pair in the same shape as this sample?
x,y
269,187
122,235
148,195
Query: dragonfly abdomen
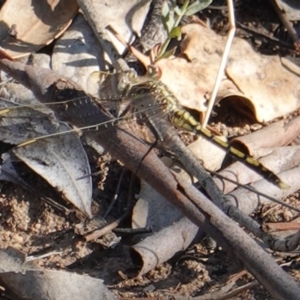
x,y
183,119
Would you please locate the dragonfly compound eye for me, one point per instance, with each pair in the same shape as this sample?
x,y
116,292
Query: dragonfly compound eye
x,y
127,79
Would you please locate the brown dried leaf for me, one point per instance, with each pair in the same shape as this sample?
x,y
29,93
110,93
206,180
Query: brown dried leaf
x,y
274,135
153,210
261,82
56,285
291,8
27,26
163,245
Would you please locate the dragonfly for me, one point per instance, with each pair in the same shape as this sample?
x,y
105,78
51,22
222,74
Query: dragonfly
x,y
147,92
133,97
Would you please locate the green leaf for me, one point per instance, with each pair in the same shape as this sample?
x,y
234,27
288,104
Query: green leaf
x,y
177,11
169,23
167,17
197,6
165,10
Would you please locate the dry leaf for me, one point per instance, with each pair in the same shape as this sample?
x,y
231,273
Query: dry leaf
x,y
77,53
152,210
55,285
291,8
12,260
261,82
27,26
52,158
162,246
126,17
275,135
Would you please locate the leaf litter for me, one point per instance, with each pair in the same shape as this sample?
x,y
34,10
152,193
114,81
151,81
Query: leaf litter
x,y
51,159
26,27
150,274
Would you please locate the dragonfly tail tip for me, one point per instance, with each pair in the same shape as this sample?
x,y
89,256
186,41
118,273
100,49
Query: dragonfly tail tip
x,y
283,185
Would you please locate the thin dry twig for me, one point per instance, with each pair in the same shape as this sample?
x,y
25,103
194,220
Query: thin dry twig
x,y
223,62
287,24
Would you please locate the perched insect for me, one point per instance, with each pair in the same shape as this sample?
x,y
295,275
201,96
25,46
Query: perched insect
x,y
132,97
148,92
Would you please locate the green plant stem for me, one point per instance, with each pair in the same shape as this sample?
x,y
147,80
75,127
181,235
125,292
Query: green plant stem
x,y
177,21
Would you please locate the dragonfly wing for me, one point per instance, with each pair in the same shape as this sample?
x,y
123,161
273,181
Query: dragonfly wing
x,y
18,123
60,160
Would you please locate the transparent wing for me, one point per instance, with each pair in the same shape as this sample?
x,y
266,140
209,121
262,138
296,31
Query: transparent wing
x,y
53,159
53,149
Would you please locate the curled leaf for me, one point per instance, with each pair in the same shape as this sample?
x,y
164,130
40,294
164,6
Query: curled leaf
x,y
27,26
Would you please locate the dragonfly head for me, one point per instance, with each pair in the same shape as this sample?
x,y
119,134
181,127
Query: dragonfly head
x,y
127,80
